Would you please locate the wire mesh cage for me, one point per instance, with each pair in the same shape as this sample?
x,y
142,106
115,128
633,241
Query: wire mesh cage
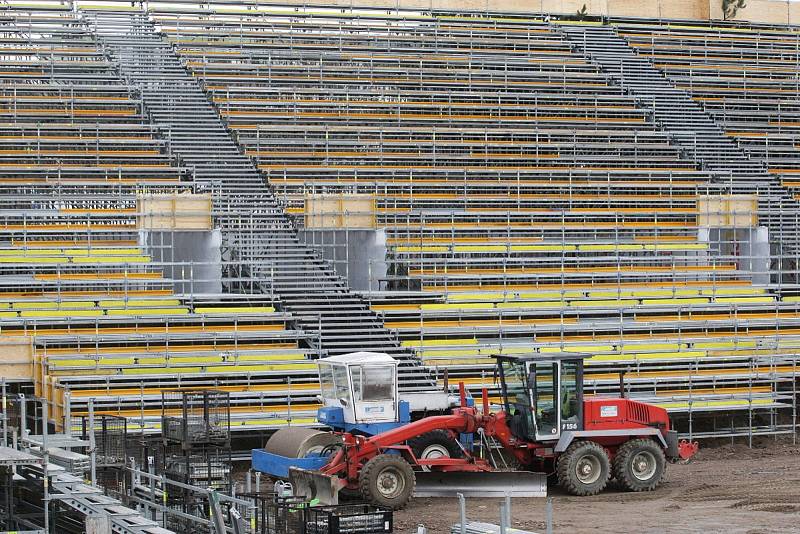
x,y
110,438
12,413
284,516
257,513
113,480
146,452
271,514
207,468
196,417
177,520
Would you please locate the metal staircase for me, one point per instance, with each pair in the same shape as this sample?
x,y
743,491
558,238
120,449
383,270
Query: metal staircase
x,y
69,488
256,231
690,127
90,501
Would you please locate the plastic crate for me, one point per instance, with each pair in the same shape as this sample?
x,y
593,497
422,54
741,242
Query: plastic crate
x,y
348,519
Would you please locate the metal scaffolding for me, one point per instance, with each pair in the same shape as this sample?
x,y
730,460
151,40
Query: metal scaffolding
x,y
487,183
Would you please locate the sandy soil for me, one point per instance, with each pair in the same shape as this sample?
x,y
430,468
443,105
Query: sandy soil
x,y
726,488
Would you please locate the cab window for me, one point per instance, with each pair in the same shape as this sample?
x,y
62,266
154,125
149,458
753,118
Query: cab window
x,y
546,385
341,385
355,376
570,403
378,383
326,381
518,399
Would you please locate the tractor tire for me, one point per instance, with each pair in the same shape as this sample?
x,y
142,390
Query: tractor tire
x,y
583,469
640,465
435,444
387,480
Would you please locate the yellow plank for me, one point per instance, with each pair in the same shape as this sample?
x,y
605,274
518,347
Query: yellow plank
x,y
648,356
588,349
542,248
148,311
139,303
111,259
430,248
458,306
235,309
744,300
33,259
532,304
61,313
434,342
677,246
50,305
697,404
725,344
604,303
734,291
480,248
675,302
609,247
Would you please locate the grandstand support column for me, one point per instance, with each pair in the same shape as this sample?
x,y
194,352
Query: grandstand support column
x,y
690,127
255,228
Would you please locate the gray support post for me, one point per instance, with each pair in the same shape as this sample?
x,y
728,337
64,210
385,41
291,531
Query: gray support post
x,y
68,413
23,418
462,512
5,413
217,521
92,444
46,470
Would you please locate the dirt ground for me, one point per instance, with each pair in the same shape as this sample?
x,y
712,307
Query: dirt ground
x,y
727,488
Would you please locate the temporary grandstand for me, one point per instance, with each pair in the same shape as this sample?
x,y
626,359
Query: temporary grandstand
x,y
213,195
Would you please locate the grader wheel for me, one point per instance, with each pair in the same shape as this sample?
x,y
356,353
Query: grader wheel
x,y
387,480
584,468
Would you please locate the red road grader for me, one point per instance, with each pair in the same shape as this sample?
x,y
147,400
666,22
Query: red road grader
x,y
545,426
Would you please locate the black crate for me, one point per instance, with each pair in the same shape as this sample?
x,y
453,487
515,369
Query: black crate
x,y
110,437
293,515
13,413
347,519
283,516
208,468
113,480
196,417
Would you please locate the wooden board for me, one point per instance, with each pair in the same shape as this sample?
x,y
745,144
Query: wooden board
x,y
177,211
17,362
339,211
727,211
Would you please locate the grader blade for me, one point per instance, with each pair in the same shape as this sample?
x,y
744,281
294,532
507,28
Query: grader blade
x,y
315,486
481,484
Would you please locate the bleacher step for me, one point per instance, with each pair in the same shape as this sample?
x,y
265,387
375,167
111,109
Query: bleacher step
x,y
178,105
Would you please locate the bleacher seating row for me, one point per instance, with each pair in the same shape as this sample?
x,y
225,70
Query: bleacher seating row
x,y
530,204
101,313
745,78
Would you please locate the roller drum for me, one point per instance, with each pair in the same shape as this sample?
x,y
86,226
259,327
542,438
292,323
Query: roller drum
x,y
298,442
